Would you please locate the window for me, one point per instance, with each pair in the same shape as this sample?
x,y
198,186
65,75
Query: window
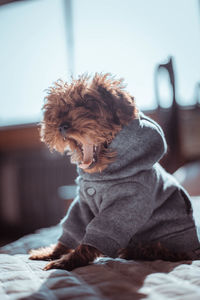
x,y
42,41
33,55
129,38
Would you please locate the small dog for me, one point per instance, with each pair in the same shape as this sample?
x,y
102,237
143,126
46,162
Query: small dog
x,y
127,205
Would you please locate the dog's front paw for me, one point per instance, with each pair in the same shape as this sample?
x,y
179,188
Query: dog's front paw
x,y
49,253
79,257
65,263
45,253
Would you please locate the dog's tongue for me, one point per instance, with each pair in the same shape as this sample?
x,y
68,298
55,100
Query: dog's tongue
x,y
87,156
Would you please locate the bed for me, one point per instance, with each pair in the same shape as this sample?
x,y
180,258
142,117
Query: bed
x,y
117,279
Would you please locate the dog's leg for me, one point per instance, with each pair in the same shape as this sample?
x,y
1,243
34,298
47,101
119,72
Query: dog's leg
x,y
49,253
80,257
152,252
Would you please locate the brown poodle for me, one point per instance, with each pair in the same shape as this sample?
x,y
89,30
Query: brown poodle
x,y
84,118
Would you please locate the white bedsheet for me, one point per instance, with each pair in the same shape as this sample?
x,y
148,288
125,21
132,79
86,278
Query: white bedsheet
x,y
117,279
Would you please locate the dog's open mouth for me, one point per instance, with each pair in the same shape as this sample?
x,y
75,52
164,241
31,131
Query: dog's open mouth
x,y
84,153
89,156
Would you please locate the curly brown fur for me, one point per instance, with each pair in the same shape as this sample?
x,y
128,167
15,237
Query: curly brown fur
x,y
92,112
152,252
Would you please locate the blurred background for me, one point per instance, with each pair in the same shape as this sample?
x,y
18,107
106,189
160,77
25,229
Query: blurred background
x,y
153,44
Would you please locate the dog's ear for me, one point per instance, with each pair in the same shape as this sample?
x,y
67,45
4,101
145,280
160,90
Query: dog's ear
x,y
118,104
109,104
126,106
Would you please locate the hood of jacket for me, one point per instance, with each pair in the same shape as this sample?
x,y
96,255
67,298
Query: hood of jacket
x,y
139,145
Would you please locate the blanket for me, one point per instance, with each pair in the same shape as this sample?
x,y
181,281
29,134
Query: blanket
x,y
106,278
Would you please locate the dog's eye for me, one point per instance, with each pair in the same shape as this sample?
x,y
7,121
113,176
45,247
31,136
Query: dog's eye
x,y
63,128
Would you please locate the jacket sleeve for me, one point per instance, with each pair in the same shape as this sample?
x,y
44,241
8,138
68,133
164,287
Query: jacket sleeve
x,y
75,222
125,210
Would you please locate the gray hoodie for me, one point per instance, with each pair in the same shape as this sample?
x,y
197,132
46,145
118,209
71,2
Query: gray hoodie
x,y
134,200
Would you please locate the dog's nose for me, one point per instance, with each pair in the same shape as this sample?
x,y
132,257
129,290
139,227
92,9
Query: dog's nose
x,y
63,128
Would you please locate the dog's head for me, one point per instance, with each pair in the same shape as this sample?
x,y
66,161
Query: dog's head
x,y
84,116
